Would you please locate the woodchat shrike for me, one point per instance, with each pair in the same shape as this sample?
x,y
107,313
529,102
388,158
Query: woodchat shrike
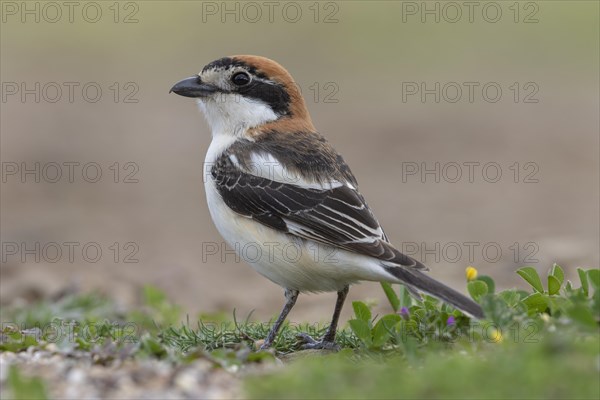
x,y
275,185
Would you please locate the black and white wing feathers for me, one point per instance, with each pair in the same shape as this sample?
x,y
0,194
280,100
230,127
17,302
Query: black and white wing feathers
x,y
335,214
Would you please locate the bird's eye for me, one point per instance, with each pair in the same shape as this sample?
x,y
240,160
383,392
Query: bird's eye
x,y
240,79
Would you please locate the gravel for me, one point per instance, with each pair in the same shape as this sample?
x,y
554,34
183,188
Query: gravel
x,y
83,375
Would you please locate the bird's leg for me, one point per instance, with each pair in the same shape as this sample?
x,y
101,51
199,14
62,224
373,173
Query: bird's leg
x,y
328,340
290,299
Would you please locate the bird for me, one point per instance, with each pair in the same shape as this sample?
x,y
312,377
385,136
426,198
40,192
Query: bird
x,y
275,185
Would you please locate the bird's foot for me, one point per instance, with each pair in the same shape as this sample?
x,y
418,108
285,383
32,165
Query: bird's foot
x,y
264,345
308,343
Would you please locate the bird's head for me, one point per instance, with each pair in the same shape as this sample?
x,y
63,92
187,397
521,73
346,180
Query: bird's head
x,y
244,94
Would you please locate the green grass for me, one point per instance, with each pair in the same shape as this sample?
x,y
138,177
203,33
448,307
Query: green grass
x,y
228,334
540,343
557,367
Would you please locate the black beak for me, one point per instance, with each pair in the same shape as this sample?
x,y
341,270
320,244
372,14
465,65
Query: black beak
x,y
193,87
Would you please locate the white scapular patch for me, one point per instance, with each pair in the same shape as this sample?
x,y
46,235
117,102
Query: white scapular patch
x,y
266,166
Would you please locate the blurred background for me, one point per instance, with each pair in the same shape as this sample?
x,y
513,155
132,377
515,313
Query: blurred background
x,y
473,133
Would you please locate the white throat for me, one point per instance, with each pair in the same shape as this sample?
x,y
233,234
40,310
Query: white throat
x,y
232,114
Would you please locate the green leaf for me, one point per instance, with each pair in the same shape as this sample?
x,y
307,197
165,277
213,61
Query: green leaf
x,y
511,297
405,297
488,281
531,276
362,312
361,330
522,293
558,304
391,295
568,286
477,289
383,327
583,315
405,334
584,281
596,304
558,273
553,285
536,302
594,277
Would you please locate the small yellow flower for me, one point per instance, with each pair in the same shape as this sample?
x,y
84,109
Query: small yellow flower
x,y
496,336
471,273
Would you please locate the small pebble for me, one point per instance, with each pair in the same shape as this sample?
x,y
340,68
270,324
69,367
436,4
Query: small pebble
x,y
187,380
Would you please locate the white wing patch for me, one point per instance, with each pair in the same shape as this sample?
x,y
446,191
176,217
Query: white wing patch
x,y
265,165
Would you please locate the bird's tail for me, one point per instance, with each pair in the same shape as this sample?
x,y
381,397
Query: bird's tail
x,y
423,283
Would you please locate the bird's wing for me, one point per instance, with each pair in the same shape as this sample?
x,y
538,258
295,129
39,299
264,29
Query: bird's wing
x,y
334,214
